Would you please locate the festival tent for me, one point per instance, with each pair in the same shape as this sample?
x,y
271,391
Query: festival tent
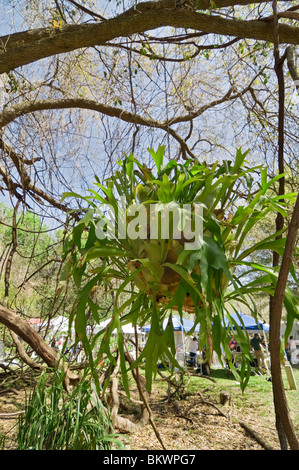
x,y
126,329
240,319
60,323
247,322
57,325
251,325
179,324
129,329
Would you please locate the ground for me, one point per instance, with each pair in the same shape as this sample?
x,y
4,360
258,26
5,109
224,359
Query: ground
x,y
204,424
207,431
198,421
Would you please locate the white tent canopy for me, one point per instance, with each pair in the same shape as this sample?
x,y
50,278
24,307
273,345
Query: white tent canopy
x,y
60,322
126,329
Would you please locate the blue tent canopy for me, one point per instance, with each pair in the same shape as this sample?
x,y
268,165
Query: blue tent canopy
x,y
249,323
178,325
240,319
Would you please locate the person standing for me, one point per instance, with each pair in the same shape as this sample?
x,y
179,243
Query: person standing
x,y
292,347
233,344
193,346
287,349
258,352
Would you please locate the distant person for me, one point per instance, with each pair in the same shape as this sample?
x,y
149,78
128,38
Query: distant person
x,y
291,343
193,347
256,344
292,347
287,349
233,344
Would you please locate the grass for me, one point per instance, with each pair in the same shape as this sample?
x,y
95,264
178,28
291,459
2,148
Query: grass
x,y
258,395
56,421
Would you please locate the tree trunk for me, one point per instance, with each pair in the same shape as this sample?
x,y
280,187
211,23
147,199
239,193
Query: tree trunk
x,y
141,383
280,402
284,424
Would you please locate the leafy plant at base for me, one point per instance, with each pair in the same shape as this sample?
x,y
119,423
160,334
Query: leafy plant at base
x,y
156,275
56,421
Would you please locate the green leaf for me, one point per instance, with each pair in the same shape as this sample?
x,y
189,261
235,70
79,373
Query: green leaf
x,y
158,156
216,187
106,251
160,343
277,245
239,160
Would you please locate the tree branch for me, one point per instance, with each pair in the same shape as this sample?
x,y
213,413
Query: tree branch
x,y
22,329
290,52
29,46
26,184
284,424
17,110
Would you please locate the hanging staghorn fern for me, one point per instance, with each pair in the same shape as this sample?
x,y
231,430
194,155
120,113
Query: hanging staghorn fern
x,y
172,236
185,226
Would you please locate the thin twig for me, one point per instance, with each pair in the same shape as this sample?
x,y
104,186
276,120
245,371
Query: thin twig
x,y
11,415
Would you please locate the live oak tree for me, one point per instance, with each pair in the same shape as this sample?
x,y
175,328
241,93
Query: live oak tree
x,y
129,76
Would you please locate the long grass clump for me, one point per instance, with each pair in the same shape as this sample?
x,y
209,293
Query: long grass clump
x,y
55,420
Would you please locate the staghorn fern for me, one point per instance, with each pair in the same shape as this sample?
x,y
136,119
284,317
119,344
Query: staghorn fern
x,y
156,276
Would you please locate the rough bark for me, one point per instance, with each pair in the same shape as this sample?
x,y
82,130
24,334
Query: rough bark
x,y
284,425
23,355
22,329
141,383
280,402
29,46
290,56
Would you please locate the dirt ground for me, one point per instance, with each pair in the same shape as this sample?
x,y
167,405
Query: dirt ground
x,y
207,431
200,426
195,423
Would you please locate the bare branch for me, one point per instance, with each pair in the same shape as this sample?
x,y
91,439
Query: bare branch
x,y
17,110
26,183
86,10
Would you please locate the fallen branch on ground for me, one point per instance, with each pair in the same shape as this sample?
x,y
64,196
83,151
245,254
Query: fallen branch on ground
x,y
255,435
11,415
